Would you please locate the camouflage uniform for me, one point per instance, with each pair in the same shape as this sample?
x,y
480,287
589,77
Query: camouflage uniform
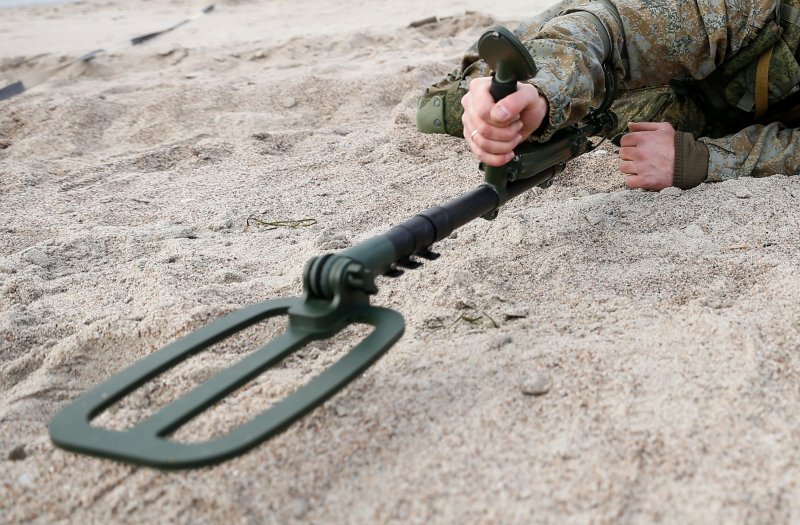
x,y
664,56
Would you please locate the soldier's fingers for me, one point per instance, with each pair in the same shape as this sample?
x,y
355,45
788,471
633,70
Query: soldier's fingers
x,y
489,151
489,138
466,121
480,100
530,106
490,159
628,167
648,126
532,118
478,104
472,124
630,153
514,104
504,134
630,140
633,181
499,153
495,146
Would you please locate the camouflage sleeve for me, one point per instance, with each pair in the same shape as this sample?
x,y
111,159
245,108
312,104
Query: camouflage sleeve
x,y
757,151
569,53
655,42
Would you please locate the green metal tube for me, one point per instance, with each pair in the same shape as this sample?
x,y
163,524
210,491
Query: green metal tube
x,y
417,234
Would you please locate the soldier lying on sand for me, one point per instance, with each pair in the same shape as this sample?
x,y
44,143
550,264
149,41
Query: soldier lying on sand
x,y
707,91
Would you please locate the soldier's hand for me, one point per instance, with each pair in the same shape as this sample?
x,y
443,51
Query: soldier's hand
x,y
648,155
492,129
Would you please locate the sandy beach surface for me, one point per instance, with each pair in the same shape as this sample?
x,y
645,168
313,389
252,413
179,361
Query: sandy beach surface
x,y
660,330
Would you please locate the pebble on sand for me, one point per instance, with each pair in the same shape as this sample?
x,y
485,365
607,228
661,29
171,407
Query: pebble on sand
x,y
536,385
18,453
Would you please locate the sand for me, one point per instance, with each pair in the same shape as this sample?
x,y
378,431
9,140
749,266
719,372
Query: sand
x,y
660,330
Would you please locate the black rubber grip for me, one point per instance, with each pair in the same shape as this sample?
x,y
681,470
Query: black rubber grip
x,y
434,224
501,90
411,236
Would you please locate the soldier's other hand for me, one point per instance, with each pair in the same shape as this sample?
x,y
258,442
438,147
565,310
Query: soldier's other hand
x,y
647,155
492,129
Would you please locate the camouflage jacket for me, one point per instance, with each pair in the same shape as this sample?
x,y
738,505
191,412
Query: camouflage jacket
x,y
653,43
